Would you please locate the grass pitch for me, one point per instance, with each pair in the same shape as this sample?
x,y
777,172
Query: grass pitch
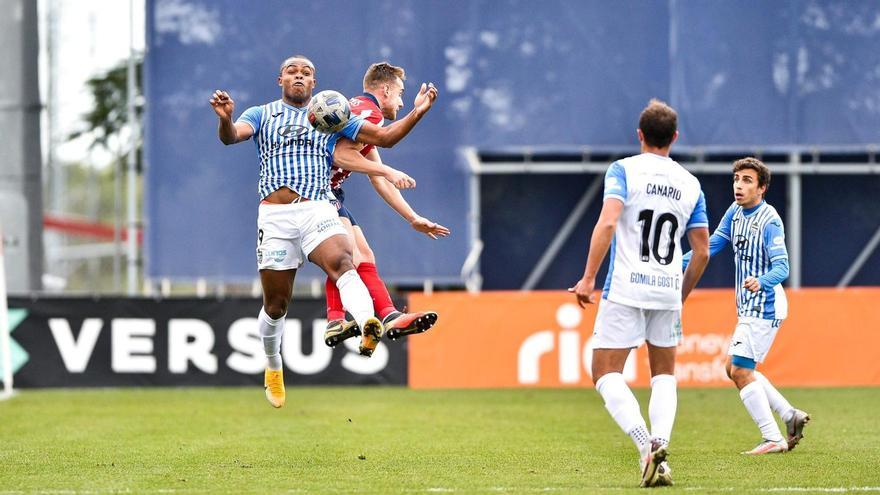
x,y
395,440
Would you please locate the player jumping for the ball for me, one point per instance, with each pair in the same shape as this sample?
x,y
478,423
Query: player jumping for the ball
x,y
382,99
754,230
295,218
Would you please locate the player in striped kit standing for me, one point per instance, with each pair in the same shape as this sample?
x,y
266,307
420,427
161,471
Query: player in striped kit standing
x,y
650,202
295,218
755,231
382,99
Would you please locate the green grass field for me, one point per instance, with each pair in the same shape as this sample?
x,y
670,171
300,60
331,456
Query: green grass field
x,y
395,440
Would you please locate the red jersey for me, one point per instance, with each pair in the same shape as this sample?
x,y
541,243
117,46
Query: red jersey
x,y
367,106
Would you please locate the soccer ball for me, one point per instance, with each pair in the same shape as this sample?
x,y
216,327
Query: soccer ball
x,y
329,111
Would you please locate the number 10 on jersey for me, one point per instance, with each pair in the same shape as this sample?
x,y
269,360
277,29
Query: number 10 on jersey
x,y
651,244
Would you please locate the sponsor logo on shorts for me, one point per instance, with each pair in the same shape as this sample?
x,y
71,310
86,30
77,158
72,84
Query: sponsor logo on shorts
x,y
276,255
324,225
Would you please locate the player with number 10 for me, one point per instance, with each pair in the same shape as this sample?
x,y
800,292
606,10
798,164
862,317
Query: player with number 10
x,y
650,201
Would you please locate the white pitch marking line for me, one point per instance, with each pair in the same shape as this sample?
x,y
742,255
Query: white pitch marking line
x,y
841,489
794,489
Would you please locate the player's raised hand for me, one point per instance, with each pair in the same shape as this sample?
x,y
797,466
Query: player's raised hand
x,y
425,99
222,104
583,291
429,228
400,179
752,284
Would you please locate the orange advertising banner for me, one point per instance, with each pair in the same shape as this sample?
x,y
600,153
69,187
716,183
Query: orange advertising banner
x,y
542,339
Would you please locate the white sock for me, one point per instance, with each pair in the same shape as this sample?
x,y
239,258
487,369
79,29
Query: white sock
x,y
624,408
661,409
271,332
777,402
755,400
355,296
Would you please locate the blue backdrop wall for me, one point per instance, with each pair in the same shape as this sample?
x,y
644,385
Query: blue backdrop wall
x,y
510,73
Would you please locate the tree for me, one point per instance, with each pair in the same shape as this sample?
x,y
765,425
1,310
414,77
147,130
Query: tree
x,y
107,122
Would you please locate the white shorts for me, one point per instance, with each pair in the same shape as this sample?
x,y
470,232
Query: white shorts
x,y
288,233
619,326
753,337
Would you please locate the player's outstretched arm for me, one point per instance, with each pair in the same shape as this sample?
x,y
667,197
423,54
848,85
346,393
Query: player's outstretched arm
x,y
699,240
229,132
347,155
396,201
600,241
387,137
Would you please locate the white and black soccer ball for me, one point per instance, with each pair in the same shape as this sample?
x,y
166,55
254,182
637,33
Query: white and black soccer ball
x,y
329,111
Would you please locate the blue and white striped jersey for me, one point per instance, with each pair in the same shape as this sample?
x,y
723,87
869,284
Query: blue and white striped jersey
x,y
758,238
661,201
292,153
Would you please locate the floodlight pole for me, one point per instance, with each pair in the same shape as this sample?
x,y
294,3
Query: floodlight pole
x,y
132,159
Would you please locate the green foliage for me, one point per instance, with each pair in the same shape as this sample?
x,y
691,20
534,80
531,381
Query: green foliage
x,y
395,440
105,122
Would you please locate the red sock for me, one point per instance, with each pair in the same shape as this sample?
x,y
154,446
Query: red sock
x,y
382,304
334,301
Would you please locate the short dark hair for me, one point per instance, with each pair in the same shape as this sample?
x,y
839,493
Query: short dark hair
x,y
383,72
289,61
658,123
758,166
